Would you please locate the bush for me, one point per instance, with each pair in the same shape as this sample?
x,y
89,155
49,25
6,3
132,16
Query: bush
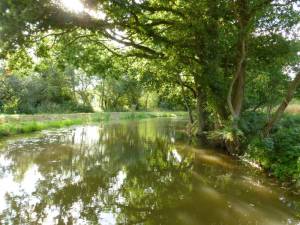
x,y
66,107
280,153
251,123
39,93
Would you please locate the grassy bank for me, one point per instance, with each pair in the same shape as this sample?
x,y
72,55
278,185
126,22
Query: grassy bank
x,y
22,127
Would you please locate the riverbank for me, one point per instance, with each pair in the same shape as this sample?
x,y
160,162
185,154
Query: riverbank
x,y
20,124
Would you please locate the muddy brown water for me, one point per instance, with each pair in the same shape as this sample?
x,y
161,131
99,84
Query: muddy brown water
x,y
134,172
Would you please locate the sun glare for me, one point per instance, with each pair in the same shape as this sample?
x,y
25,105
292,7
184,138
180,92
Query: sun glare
x,y
73,5
78,7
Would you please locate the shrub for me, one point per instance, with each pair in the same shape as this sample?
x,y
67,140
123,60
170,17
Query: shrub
x,y
280,153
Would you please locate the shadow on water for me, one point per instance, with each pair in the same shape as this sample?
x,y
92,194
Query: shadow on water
x,y
133,172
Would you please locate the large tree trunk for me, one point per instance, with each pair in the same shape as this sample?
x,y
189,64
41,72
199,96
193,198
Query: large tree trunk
x,y
235,95
239,88
236,90
280,110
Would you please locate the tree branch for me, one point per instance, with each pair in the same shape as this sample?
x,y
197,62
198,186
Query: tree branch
x,y
281,108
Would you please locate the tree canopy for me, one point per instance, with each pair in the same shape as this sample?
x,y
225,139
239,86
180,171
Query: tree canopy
x,y
218,58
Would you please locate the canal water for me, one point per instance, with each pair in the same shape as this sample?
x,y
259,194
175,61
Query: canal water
x,y
134,172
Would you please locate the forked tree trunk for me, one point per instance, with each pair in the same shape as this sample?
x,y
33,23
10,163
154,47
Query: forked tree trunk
x,y
235,95
280,110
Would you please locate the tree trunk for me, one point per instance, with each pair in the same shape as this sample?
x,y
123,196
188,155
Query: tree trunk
x,y
190,112
235,95
187,106
239,88
202,115
236,91
146,103
280,110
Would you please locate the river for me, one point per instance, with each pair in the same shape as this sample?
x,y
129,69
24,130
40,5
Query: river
x,y
134,172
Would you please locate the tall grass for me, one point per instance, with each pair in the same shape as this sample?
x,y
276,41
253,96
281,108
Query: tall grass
x,y
12,128
8,129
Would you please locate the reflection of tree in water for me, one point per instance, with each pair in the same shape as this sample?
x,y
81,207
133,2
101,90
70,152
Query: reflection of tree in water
x,y
131,174
117,173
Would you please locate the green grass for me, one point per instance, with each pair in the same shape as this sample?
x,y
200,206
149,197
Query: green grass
x,y
145,115
13,128
8,129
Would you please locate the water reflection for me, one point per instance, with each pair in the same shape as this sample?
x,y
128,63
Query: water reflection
x,y
132,173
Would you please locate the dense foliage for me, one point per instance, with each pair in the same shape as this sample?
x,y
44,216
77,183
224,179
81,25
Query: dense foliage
x,y
51,88
280,152
235,63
